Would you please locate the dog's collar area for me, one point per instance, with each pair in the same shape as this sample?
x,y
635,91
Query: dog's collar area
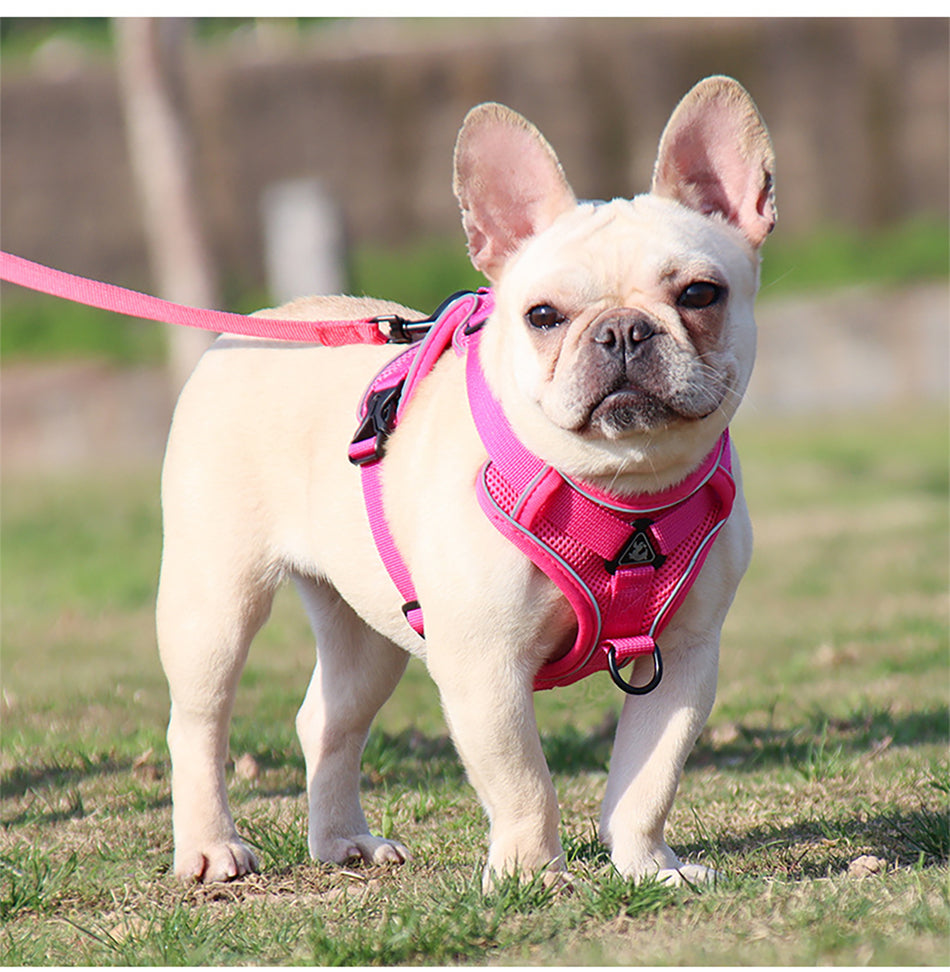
x,y
625,563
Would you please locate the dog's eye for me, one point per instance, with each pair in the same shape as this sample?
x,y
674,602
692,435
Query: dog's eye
x,y
544,317
700,294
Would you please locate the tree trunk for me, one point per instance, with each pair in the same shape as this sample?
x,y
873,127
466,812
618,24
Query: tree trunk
x,y
151,78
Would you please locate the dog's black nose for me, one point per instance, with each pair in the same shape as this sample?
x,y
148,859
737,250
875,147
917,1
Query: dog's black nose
x,y
624,333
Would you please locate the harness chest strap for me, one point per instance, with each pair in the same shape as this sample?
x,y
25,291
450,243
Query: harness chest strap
x,y
624,563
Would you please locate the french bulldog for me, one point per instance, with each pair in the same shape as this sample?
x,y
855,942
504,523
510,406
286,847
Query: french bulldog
x,y
257,489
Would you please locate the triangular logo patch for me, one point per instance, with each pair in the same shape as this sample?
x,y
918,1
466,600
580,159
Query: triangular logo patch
x,y
638,551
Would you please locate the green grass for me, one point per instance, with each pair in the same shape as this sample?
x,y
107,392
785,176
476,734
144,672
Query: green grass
x,y
833,256
21,37
423,274
828,742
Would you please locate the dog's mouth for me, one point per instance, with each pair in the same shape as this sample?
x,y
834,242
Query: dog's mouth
x,y
632,408
628,409
655,385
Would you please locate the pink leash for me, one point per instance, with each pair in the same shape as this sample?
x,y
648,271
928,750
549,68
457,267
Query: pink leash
x,y
108,297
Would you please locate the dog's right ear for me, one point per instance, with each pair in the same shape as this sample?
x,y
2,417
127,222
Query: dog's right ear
x,y
716,157
508,182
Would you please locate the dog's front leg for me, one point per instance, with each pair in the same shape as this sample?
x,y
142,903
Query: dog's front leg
x,y
488,703
655,735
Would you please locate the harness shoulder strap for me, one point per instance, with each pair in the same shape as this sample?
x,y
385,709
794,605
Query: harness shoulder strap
x,y
380,410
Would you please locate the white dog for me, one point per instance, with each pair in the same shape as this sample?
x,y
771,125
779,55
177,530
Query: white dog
x,y
619,345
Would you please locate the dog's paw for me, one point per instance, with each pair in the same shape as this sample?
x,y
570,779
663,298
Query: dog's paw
x,y
219,862
363,847
687,874
561,882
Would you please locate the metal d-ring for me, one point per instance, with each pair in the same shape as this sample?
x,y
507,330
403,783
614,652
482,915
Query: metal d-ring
x,y
621,682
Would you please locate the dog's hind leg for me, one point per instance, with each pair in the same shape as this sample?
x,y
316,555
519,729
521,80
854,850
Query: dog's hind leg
x,y
206,620
356,672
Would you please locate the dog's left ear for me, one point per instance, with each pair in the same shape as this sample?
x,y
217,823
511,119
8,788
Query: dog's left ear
x,y
715,156
508,182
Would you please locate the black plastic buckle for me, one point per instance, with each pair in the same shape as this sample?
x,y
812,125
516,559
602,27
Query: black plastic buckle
x,y
378,422
402,331
621,682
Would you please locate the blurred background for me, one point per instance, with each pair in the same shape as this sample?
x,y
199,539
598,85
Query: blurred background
x,y
236,163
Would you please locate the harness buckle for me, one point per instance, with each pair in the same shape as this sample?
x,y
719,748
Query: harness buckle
x,y
401,331
367,445
627,687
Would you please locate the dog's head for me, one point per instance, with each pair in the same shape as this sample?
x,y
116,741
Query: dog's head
x,y
623,336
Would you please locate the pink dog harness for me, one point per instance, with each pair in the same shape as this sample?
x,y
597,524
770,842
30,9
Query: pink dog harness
x,y
625,563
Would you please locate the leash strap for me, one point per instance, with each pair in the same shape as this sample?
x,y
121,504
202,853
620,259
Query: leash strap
x,y
108,297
